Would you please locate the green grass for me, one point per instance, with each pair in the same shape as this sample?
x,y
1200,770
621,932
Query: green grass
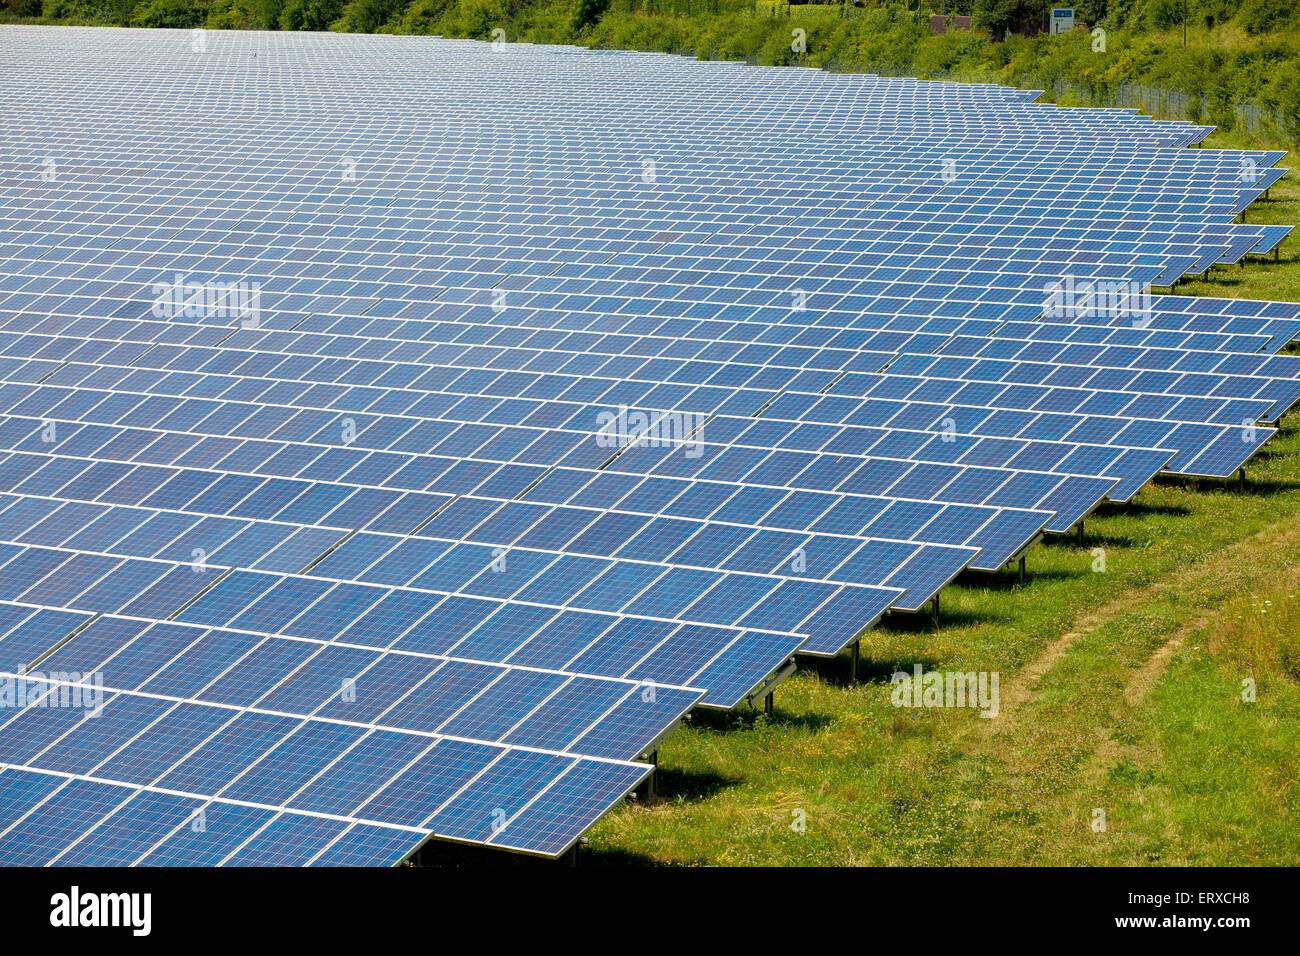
x,y
1121,692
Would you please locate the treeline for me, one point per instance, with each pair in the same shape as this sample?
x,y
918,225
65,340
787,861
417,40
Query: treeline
x,y
1238,51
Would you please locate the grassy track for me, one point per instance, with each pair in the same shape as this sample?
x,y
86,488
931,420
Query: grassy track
x,y
1121,692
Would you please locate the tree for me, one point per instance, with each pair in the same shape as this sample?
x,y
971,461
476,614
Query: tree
x,y
177,14
587,12
310,14
366,16
997,16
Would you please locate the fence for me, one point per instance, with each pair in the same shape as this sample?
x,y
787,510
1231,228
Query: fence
x,y
1172,104
1160,103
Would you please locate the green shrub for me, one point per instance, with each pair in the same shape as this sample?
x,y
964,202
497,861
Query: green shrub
x,y
478,18
1282,95
367,16
314,15
22,8
88,11
170,13
946,52
421,17
587,12
244,14
999,15
1163,14
1263,16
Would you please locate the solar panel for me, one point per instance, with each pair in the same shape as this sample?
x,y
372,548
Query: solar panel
x,y
389,462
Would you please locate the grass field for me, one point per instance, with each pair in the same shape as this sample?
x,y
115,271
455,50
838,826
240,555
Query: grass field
x,y
1121,694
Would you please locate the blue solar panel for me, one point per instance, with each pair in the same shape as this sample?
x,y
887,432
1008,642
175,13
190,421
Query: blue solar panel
x,y
422,501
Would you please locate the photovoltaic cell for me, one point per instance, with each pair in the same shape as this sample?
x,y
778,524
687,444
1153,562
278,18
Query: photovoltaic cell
x,y
375,500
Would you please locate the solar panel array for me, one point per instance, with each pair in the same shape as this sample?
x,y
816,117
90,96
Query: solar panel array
x,y
398,436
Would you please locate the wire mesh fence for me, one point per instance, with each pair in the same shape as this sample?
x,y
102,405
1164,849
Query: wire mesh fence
x,y
1247,117
1162,103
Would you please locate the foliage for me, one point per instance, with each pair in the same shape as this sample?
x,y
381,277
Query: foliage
x,y
1282,94
310,14
116,12
1258,17
22,8
170,13
587,12
244,14
999,15
367,16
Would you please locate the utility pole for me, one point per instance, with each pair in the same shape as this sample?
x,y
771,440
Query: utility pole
x,y
1184,24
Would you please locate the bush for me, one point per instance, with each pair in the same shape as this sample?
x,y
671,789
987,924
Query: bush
x,y
1282,95
1163,14
88,11
946,52
1264,16
586,13
243,14
316,15
170,13
23,8
478,18
1090,12
422,16
998,15
367,16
